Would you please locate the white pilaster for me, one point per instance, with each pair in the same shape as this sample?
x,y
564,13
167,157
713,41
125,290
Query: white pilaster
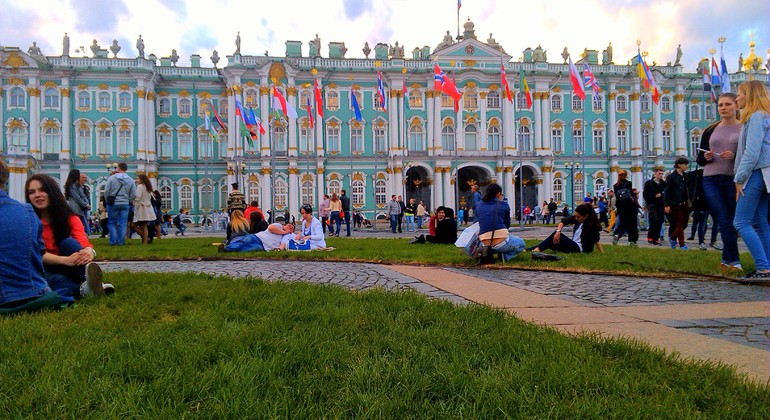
x,y
612,129
34,117
681,140
66,121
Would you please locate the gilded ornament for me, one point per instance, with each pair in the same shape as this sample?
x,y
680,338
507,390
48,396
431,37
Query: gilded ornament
x,y
49,84
103,86
612,95
471,85
598,124
251,84
151,96
679,97
524,122
319,170
33,91
14,60
15,81
556,89
265,171
415,122
636,168
124,87
634,96
104,125
483,95
293,170
429,94
264,90
469,63
614,168
358,176
494,122
184,93
291,91
50,124
141,93
277,72
494,87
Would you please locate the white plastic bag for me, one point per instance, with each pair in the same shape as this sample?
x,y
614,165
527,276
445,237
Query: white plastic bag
x,y
468,236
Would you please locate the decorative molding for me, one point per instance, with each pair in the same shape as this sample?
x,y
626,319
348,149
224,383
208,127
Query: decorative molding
x,y
293,170
291,91
612,95
65,92
33,91
103,86
49,84
184,93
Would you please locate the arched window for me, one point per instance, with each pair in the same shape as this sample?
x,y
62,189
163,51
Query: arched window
x,y
185,197
19,137
84,100
165,198
52,142
207,197
185,107
578,140
415,99
305,140
694,142
621,104
557,139
164,106
471,137
205,145
357,193
493,138
104,141
164,145
222,185
223,108
416,136
599,186
448,138
622,140
334,187
577,103
447,101
694,113
598,104
647,142
333,139
521,101
251,97
580,190
470,99
708,112
558,190
253,190
104,100
308,192
644,102
556,102
665,104
51,98
493,100
359,99
525,139
280,193
668,144
124,101
16,98
380,193
125,141
279,140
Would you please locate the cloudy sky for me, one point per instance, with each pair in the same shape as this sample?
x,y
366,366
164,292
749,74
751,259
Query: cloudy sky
x,y
202,26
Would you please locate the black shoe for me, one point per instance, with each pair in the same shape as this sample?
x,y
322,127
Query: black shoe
x,y
691,238
418,240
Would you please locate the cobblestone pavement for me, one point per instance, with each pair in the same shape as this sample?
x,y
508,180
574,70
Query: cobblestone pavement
x,y
754,332
355,276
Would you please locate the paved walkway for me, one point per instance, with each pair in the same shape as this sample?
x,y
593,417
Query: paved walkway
x,y
708,320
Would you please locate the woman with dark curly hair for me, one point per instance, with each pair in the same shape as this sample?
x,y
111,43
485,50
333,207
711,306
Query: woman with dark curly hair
x,y
585,235
69,255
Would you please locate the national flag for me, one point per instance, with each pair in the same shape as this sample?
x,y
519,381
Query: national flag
x,y
255,121
505,84
319,99
405,91
207,124
354,104
525,89
310,113
715,79
218,119
706,78
646,76
280,102
574,77
381,91
443,83
725,77
459,4
244,128
589,80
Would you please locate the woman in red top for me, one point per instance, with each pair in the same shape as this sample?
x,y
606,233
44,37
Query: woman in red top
x,y
69,255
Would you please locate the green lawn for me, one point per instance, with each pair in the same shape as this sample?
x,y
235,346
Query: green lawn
x,y
184,345
616,259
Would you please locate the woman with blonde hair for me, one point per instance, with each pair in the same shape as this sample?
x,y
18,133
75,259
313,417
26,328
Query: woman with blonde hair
x,y
143,211
752,176
335,208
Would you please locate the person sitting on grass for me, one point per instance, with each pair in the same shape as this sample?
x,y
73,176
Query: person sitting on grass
x,y
311,230
22,285
494,217
69,255
444,226
238,225
584,237
257,222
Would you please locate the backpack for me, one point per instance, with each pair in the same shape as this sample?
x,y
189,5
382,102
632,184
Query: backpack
x,y
177,220
623,195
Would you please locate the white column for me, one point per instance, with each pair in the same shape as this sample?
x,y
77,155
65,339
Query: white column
x,y
636,124
449,194
681,140
538,134
481,141
395,129
544,127
291,98
294,191
320,185
438,124
547,186
234,147
437,196
66,121
657,141
264,115
150,123
509,118
508,188
434,145
34,117
267,194
142,140
612,129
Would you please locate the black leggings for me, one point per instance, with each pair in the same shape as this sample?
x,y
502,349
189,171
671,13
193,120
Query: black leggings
x,y
565,244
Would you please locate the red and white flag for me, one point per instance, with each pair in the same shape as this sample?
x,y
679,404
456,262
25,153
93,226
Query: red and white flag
x,y
577,81
505,84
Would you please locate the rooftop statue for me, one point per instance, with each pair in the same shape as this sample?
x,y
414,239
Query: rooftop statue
x,y
140,46
34,50
65,46
215,58
565,55
396,51
367,50
539,54
609,54
678,55
447,41
115,48
174,57
95,48
238,44
315,47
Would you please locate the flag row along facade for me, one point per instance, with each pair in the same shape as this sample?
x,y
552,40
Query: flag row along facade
x,y
65,112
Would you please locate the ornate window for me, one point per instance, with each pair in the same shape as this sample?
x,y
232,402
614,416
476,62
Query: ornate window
x,y
307,194
577,103
164,145
165,197
333,139
415,99
622,140
84,101
223,108
668,145
380,193
19,137
253,190
185,144
380,135
206,198
647,142
377,102
124,101
665,104
708,112
125,141
105,101
359,99
52,140
557,139
493,100
185,107
470,99
357,139
598,186
334,187
332,100
16,98
525,139
644,102
471,137
621,103
185,197
104,141
304,98
447,101
306,140
205,146
51,98
416,138
694,112
280,146
598,104
578,141
222,144
251,98
558,190
84,140
694,142
580,190
448,138
521,101
598,138
164,107
280,193
357,193
556,102
493,138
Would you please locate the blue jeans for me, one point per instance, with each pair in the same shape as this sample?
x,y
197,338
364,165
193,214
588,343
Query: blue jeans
x,y
419,222
719,191
66,277
751,219
347,223
409,221
86,225
393,222
117,215
335,223
510,248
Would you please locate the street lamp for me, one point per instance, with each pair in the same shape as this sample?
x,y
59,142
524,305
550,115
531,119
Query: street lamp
x,y
572,166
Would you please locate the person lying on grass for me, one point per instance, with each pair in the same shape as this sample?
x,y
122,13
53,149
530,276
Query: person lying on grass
x,y
585,234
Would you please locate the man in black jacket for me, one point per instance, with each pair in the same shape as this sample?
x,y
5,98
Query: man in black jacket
x,y
346,209
654,201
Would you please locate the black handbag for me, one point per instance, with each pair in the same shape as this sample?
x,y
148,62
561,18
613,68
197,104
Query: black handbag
x,y
110,199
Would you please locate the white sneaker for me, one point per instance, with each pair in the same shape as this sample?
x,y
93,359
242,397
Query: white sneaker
x,y
702,246
108,288
93,284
